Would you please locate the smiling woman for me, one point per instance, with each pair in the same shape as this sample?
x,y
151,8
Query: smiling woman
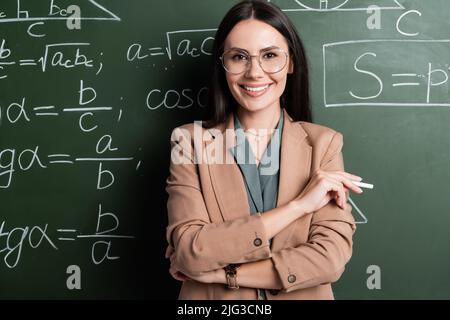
x,y
256,85
236,229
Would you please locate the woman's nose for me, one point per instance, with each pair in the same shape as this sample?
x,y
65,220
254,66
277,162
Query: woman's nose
x,y
254,69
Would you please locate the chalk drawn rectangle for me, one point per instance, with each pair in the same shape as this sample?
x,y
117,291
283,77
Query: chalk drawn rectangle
x,y
389,72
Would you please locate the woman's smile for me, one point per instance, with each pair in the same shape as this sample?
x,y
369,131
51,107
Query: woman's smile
x,y
255,90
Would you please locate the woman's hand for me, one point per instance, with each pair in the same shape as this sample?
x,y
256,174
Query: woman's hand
x,y
173,270
215,276
325,186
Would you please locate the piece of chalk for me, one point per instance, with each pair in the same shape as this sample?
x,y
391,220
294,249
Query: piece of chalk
x,y
363,185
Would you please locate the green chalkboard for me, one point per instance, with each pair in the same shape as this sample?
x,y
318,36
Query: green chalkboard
x,y
86,116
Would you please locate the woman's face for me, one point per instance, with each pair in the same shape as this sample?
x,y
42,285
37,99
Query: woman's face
x,y
255,89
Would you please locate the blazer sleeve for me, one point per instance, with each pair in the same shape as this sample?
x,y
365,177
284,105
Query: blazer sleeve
x,y
323,257
201,245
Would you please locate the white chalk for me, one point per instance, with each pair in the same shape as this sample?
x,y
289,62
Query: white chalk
x,y
363,185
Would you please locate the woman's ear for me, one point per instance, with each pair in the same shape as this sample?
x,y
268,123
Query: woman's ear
x,y
291,65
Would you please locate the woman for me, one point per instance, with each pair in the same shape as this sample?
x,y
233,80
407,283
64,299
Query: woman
x,y
272,222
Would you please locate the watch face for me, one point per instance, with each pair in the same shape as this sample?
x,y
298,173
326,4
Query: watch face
x,y
231,267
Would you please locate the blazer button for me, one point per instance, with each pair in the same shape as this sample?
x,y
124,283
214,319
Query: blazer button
x,y
292,278
274,292
257,242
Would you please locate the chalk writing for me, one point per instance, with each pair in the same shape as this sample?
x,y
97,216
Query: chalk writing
x,y
180,43
13,160
338,5
13,239
383,75
62,56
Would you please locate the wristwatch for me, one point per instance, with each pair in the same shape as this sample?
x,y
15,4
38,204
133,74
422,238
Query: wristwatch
x,y
231,273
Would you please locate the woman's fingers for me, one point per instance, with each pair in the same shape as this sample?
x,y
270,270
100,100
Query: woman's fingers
x,y
350,185
181,276
346,179
175,273
343,173
178,275
337,188
325,186
169,251
351,176
341,198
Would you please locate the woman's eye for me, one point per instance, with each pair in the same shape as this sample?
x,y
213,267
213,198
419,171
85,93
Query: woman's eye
x,y
238,57
270,55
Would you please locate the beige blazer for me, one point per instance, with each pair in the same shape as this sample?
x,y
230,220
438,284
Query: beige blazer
x,y
210,225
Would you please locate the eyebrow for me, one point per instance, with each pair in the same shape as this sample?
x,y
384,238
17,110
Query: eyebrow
x,y
264,49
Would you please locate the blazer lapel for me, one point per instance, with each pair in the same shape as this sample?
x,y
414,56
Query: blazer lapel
x,y
226,178
295,164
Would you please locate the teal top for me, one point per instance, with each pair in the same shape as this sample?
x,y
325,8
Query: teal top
x,y
261,181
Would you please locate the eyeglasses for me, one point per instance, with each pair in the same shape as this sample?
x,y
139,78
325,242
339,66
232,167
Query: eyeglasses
x,y
271,60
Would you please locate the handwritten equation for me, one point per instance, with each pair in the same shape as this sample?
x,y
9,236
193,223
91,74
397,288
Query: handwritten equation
x,y
13,161
180,43
409,72
21,110
56,55
13,239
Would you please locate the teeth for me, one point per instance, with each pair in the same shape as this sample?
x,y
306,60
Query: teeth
x,y
255,89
